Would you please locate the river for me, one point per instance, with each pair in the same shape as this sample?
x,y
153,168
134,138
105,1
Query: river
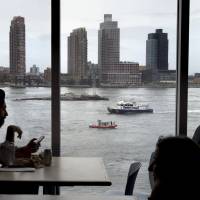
x,y
133,140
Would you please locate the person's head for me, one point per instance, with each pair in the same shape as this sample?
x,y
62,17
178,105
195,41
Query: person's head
x,y
176,165
3,111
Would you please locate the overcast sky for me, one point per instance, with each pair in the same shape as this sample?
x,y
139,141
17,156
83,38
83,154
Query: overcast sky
x,y
136,18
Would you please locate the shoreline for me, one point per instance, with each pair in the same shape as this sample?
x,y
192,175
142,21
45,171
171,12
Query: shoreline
x,y
87,86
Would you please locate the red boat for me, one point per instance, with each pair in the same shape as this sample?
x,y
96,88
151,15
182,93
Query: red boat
x,y
103,125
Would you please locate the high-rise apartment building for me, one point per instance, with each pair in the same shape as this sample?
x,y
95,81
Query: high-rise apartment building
x,y
157,51
47,74
34,70
108,47
77,54
17,47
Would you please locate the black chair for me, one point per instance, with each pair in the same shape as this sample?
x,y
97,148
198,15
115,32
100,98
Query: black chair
x,y
132,174
196,136
151,178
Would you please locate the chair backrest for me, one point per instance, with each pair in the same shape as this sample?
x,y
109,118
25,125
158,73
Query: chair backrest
x,y
196,136
132,174
151,178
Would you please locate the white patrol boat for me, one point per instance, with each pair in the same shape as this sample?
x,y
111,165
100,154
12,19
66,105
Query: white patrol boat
x,y
130,107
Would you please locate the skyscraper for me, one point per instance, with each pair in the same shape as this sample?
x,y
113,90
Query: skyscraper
x,y
157,51
77,54
17,48
34,70
108,47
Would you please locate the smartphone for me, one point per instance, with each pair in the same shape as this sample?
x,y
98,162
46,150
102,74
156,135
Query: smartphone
x,y
39,139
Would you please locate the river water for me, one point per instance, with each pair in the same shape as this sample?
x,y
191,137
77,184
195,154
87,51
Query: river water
x,y
133,140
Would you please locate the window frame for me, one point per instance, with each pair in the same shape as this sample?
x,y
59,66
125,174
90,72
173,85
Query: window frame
x,y
183,14
183,7
55,77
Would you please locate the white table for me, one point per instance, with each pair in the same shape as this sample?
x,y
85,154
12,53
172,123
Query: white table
x,y
66,197
64,171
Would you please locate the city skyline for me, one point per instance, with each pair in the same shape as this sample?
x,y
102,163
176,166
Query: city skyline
x,y
136,20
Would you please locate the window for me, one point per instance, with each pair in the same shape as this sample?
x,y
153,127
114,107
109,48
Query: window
x,y
25,67
193,78
129,142
136,135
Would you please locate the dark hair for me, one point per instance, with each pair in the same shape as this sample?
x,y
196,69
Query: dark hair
x,y
177,167
2,96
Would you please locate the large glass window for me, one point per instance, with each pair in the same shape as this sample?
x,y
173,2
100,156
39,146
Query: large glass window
x,y
123,51
25,67
194,75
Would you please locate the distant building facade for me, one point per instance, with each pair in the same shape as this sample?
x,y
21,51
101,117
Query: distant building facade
x,y
113,72
196,78
77,54
4,74
17,48
157,50
93,73
34,70
108,47
156,54
126,74
47,74
167,75
5,70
